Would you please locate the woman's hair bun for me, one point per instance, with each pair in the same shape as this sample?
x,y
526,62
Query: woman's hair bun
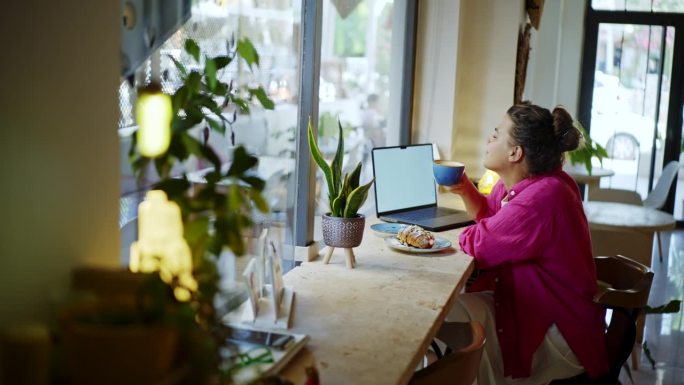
x,y
567,135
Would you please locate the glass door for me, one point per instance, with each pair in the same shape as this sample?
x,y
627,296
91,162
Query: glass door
x,y
630,101
631,96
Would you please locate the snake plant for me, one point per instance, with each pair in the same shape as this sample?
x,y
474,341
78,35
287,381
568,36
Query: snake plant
x,y
345,195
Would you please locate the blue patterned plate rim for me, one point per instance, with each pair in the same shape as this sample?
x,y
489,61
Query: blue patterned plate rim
x,y
440,244
387,228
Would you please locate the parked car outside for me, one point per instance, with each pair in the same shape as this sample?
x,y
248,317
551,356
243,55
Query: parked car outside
x,y
614,126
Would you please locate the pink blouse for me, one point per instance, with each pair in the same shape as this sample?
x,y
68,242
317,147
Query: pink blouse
x,y
536,251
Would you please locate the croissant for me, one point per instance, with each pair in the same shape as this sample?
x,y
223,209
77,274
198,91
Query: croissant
x,y
416,236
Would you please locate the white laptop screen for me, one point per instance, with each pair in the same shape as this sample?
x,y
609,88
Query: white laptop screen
x,y
403,177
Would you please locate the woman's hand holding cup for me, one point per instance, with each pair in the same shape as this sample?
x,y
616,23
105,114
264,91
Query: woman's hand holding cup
x,y
452,175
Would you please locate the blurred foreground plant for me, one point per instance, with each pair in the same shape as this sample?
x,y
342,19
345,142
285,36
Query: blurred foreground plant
x,y
218,212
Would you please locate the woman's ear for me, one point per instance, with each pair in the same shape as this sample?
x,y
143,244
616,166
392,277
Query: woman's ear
x,y
516,154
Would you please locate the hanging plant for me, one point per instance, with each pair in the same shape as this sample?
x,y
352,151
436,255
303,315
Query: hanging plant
x,y
216,213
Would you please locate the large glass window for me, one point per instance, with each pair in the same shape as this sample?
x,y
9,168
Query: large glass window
x,y
639,5
356,61
626,118
362,54
273,26
635,106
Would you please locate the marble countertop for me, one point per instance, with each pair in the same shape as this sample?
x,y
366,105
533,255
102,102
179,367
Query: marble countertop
x,y
371,324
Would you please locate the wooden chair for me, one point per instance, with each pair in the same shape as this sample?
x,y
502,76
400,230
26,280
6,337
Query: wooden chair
x,y
461,365
624,286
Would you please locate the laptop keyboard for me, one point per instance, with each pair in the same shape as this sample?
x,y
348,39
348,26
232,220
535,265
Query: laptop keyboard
x,y
427,213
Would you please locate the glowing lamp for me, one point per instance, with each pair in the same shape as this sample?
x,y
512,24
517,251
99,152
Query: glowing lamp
x,y
161,246
487,182
153,113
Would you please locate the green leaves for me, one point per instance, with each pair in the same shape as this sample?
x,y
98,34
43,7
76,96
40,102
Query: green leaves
x,y
216,126
345,197
215,213
240,103
192,48
210,72
179,65
246,50
355,177
671,307
336,165
197,230
242,162
339,203
193,82
192,145
179,98
203,89
261,96
587,150
356,199
320,161
259,201
173,187
222,61
210,104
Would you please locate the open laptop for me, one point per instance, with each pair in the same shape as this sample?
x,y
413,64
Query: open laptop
x,y
405,189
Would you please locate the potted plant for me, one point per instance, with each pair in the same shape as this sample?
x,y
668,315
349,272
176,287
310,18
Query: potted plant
x,y
343,226
215,214
587,150
117,338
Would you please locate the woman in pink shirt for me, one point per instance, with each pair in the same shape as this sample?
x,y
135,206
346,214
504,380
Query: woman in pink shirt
x,y
531,238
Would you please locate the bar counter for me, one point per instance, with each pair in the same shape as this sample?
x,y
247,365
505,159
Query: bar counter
x,y
372,324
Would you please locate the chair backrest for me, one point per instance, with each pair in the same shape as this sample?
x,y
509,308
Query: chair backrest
x,y
656,199
457,368
627,282
626,286
615,195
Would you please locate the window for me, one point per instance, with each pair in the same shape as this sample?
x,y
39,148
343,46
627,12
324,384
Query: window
x,y
630,97
638,5
362,47
357,59
273,27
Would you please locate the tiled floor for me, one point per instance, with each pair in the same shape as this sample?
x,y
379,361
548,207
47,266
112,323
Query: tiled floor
x,y
664,333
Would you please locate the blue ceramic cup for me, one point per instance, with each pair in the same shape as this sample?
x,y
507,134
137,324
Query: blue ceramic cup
x,y
447,172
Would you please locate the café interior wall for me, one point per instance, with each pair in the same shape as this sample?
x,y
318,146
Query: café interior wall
x,y
58,134
486,74
465,74
554,67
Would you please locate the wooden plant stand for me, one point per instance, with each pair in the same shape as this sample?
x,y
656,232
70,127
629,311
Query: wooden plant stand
x,y
351,260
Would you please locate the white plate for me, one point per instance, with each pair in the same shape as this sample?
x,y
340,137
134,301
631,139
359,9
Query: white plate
x,y
440,244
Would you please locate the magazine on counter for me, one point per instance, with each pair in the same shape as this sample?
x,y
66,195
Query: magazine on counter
x,y
260,352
